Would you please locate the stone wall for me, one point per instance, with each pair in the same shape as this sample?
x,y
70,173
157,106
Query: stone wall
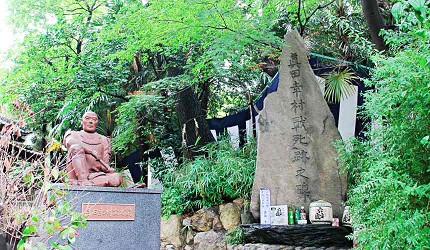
x,y
204,230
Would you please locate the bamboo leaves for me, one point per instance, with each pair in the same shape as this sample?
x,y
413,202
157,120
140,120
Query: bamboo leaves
x,y
222,175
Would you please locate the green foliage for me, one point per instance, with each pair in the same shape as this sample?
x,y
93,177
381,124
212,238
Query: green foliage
x,y
172,201
341,32
332,28
338,85
390,185
95,54
150,112
223,174
234,235
412,18
51,221
57,68
204,24
214,43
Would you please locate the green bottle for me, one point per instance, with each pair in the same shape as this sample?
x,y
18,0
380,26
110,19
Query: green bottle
x,y
290,216
297,215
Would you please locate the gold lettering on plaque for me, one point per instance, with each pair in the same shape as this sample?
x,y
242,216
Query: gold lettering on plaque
x,y
108,211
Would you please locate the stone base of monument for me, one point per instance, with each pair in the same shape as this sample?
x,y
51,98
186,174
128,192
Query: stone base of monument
x,y
3,242
118,218
311,235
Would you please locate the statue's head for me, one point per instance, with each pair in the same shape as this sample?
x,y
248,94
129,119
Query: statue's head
x,y
89,122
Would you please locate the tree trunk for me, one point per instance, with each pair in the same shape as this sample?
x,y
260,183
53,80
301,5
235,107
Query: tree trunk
x,y
194,127
204,96
374,22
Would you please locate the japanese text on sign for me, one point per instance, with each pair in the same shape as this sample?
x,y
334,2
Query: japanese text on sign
x,y
300,141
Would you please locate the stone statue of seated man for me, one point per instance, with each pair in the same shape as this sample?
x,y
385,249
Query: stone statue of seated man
x,y
88,156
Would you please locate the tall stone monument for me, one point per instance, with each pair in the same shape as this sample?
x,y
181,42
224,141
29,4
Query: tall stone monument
x,y
296,158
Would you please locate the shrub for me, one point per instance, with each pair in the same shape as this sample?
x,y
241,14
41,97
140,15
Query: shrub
x,y
389,172
234,235
29,214
221,174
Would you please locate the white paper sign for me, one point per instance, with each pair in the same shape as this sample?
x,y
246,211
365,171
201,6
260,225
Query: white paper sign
x,y
279,215
265,206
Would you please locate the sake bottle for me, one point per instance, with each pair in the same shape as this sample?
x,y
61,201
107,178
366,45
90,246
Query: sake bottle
x,y
297,215
290,216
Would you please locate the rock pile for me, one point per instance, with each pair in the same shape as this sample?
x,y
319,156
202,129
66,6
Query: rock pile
x,y
204,230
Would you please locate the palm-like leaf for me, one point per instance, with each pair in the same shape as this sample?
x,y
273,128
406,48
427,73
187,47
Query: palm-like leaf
x,y
338,85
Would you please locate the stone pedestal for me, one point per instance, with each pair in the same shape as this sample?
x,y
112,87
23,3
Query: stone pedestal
x,y
110,231
311,235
